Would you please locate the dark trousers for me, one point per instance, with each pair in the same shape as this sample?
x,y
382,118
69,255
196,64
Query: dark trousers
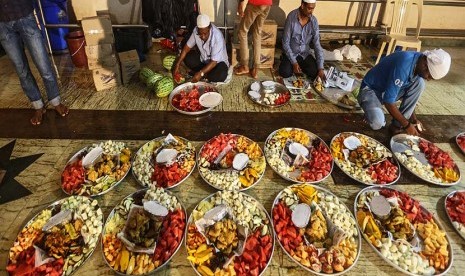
x,y
218,74
307,65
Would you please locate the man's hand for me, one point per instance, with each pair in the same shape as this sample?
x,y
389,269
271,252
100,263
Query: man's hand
x,y
175,69
240,8
412,130
296,68
196,77
321,74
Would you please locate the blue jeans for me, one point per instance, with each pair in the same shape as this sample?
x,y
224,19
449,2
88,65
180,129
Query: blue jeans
x,y
373,108
14,36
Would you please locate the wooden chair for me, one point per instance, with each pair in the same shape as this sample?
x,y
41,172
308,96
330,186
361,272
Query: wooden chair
x,y
397,35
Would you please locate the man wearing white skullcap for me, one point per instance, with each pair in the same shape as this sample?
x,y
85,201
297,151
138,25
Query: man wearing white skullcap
x,y
300,31
400,76
252,19
211,59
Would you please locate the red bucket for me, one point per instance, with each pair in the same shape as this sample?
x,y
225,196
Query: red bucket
x,y
76,45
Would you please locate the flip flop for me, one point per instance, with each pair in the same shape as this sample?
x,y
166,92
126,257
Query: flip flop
x,y
39,116
254,73
240,71
64,110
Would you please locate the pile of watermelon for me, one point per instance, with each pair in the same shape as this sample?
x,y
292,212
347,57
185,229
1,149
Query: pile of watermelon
x,y
160,84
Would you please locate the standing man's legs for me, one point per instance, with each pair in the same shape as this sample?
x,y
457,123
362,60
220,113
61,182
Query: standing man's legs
x,y
250,13
256,29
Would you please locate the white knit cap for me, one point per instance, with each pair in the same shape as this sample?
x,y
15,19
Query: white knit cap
x,y
309,1
203,21
438,62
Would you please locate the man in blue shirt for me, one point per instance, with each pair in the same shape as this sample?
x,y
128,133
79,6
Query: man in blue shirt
x,y
400,76
300,31
211,59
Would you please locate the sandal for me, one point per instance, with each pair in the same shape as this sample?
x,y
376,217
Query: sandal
x,y
254,73
38,116
62,110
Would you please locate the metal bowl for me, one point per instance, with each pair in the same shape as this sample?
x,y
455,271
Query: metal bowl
x,y
293,176
377,188
358,239
202,87
393,160
112,213
276,88
457,141
79,155
134,173
189,221
211,184
461,234
399,138
57,204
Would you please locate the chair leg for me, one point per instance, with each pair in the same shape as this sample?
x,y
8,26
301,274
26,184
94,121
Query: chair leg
x,y
381,50
391,47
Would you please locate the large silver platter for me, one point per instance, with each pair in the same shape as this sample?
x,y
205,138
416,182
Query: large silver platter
x,y
230,175
279,89
455,224
361,174
79,205
402,142
421,241
462,136
125,205
202,87
78,156
328,196
143,160
272,150
244,200
333,94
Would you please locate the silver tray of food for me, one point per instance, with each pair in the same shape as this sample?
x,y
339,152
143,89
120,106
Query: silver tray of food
x,y
59,239
316,230
269,93
402,232
97,169
364,159
460,140
195,98
143,232
454,205
166,161
425,160
298,155
231,162
229,233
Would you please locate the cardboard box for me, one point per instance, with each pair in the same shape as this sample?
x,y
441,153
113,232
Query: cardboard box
x,y
269,33
99,51
108,61
105,78
130,65
266,56
89,8
98,30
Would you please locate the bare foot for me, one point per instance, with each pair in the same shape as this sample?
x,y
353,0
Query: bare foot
x,y
254,73
38,116
62,110
241,70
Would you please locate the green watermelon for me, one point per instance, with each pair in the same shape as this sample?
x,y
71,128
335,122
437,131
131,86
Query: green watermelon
x,y
168,62
164,87
145,73
152,81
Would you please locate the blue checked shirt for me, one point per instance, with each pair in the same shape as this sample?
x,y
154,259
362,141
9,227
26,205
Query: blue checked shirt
x,y
212,49
297,39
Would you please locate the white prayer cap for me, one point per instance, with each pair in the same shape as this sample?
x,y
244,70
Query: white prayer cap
x,y
438,63
309,1
203,21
